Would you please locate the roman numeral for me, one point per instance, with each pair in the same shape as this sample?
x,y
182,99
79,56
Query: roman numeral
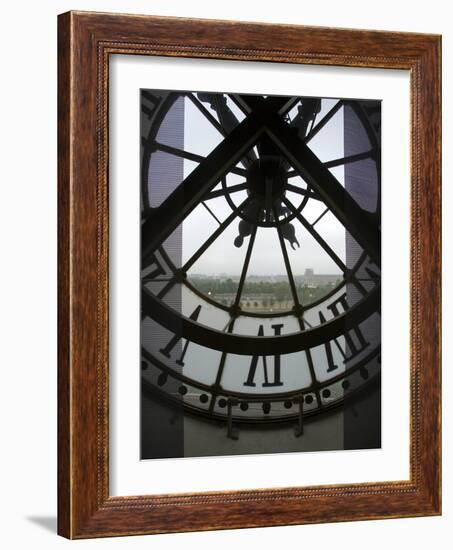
x,y
156,266
167,350
372,274
354,338
254,364
149,103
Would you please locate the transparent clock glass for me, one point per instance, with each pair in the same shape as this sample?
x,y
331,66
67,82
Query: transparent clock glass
x,y
260,274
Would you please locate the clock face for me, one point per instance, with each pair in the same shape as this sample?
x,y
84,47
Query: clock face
x,y
260,275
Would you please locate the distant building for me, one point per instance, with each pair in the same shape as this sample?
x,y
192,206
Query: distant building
x,y
312,279
309,278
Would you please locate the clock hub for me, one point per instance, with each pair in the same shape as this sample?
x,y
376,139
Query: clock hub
x,y
266,180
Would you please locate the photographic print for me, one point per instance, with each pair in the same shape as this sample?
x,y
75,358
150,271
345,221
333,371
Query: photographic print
x,y
220,280
260,274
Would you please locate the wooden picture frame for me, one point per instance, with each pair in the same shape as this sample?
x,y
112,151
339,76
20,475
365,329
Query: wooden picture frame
x,y
85,41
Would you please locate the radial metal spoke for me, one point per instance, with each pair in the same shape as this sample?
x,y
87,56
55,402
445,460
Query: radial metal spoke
x,y
218,379
229,190
289,271
181,153
240,103
207,114
311,367
238,171
213,237
303,192
286,107
212,213
315,235
297,305
325,119
347,160
185,268
320,217
175,151
245,268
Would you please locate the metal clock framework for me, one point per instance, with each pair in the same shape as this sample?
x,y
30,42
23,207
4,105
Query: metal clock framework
x,y
285,366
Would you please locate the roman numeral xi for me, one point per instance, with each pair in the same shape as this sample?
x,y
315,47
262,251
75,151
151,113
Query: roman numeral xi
x,y
254,364
354,339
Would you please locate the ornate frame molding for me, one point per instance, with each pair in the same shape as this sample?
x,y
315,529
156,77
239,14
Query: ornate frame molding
x,y
86,40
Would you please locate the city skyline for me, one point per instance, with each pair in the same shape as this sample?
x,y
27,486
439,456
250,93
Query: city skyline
x,y
257,275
